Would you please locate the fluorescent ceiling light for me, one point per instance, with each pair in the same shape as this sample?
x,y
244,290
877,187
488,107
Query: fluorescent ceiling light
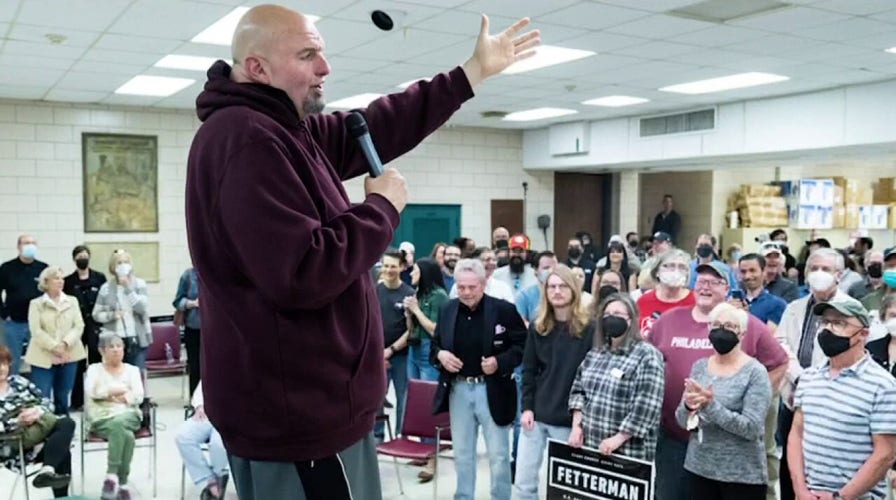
x,y
615,101
161,86
738,81
538,114
411,82
355,101
892,50
547,55
195,63
221,31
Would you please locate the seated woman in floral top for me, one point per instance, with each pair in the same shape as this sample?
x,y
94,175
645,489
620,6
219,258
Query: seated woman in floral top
x,y
23,409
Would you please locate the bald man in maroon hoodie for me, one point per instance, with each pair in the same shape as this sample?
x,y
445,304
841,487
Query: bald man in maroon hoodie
x,y
292,363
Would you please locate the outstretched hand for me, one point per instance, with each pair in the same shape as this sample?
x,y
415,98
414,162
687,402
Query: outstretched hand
x,y
494,53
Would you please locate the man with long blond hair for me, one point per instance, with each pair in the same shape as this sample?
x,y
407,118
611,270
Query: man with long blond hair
x,y
557,342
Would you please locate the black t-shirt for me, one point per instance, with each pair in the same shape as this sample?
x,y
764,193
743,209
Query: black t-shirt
x,y
468,333
19,281
392,310
85,291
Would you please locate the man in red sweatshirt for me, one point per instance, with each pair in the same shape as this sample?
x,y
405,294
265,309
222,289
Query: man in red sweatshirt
x,y
292,361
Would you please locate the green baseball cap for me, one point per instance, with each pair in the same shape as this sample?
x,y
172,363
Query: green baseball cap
x,y
714,267
846,307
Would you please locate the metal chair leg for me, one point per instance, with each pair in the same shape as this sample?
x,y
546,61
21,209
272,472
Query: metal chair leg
x,y
83,443
23,472
435,467
155,442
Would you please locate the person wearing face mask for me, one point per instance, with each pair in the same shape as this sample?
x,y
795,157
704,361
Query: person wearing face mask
x,y
617,393
871,281
723,407
576,257
681,336
883,351
671,291
608,283
844,431
122,308
797,334
635,248
84,284
705,253
18,281
517,274
557,342
873,300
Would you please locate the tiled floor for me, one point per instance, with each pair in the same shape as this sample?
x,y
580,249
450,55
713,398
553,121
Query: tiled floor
x,y
166,392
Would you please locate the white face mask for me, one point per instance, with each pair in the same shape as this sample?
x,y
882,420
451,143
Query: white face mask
x,y
891,325
123,269
672,278
821,281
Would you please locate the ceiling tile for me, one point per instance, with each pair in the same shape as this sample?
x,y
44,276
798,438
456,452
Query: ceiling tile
x,y
787,20
708,57
657,50
340,35
342,63
130,100
659,26
404,45
8,10
881,41
37,77
11,91
74,96
766,64
403,14
887,17
844,31
76,80
592,16
86,15
23,61
121,57
717,36
45,49
856,7
515,8
653,5
179,19
461,22
38,34
203,50
128,43
601,42
774,44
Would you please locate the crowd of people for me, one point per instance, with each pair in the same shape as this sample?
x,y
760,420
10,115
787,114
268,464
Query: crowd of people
x,y
84,339
735,380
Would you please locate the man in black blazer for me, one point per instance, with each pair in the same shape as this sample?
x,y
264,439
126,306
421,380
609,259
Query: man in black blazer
x,y
477,343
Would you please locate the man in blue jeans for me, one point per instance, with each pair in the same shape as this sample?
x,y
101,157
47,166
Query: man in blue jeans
x,y
18,284
391,292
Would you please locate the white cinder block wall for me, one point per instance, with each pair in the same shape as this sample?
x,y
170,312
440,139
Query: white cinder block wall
x,y
41,180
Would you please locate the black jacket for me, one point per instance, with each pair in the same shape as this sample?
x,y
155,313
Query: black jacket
x,y
505,344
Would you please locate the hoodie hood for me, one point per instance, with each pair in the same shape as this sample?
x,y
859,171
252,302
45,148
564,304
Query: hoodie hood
x,y
221,92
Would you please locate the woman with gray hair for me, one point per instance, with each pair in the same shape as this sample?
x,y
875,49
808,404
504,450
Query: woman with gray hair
x,y
56,326
113,390
724,405
617,394
671,274
122,308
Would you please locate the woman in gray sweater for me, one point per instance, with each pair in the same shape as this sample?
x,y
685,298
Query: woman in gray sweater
x,y
724,405
558,340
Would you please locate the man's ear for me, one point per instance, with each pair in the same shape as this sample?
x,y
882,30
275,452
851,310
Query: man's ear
x,y
256,69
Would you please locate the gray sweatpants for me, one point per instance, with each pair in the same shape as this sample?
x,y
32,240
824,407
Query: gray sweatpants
x,y
351,474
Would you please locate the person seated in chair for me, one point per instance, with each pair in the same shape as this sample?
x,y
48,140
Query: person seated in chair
x,y
25,410
113,392
196,431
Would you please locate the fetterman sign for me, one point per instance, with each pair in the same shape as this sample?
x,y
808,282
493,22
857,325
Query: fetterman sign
x,y
585,474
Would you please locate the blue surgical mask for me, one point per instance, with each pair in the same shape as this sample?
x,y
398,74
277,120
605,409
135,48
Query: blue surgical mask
x,y
29,251
544,275
889,277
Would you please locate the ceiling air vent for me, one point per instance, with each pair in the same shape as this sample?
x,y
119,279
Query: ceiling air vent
x,y
679,123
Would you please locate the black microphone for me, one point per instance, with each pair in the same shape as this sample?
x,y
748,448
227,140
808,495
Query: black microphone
x,y
357,127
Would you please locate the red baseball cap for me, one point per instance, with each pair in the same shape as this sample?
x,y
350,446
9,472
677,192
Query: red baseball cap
x,y
519,241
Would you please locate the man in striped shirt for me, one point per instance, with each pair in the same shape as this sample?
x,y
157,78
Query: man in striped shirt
x,y
843,439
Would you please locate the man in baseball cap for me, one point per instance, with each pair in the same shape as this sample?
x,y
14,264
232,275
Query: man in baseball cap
x,y
775,282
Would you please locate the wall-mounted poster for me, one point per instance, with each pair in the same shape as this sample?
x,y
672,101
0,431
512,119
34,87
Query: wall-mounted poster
x,y
120,183
144,254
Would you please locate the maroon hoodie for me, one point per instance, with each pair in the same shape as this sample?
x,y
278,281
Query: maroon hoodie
x,y
292,341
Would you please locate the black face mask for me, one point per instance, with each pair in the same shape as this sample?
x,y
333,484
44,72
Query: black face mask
x,y
633,243
82,263
574,252
704,251
723,340
832,344
613,326
503,261
875,270
785,249
605,291
517,264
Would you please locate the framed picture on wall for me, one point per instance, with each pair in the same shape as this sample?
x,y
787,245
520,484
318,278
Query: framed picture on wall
x,y
144,254
120,175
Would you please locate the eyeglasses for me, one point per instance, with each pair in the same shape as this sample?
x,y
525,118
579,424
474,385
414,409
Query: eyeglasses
x,y
709,283
838,324
734,327
675,265
560,286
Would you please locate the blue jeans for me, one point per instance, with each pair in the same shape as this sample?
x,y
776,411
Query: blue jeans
x,y
134,354
192,434
397,373
672,482
419,366
468,405
58,381
17,337
533,446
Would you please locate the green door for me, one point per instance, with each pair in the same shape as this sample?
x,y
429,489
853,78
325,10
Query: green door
x,y
426,225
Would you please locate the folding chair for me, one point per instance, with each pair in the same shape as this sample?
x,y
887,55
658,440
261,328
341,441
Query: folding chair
x,y
419,422
91,442
157,360
15,439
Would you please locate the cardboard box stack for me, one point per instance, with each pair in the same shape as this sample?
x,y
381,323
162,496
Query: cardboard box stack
x,y
810,202
760,205
884,195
